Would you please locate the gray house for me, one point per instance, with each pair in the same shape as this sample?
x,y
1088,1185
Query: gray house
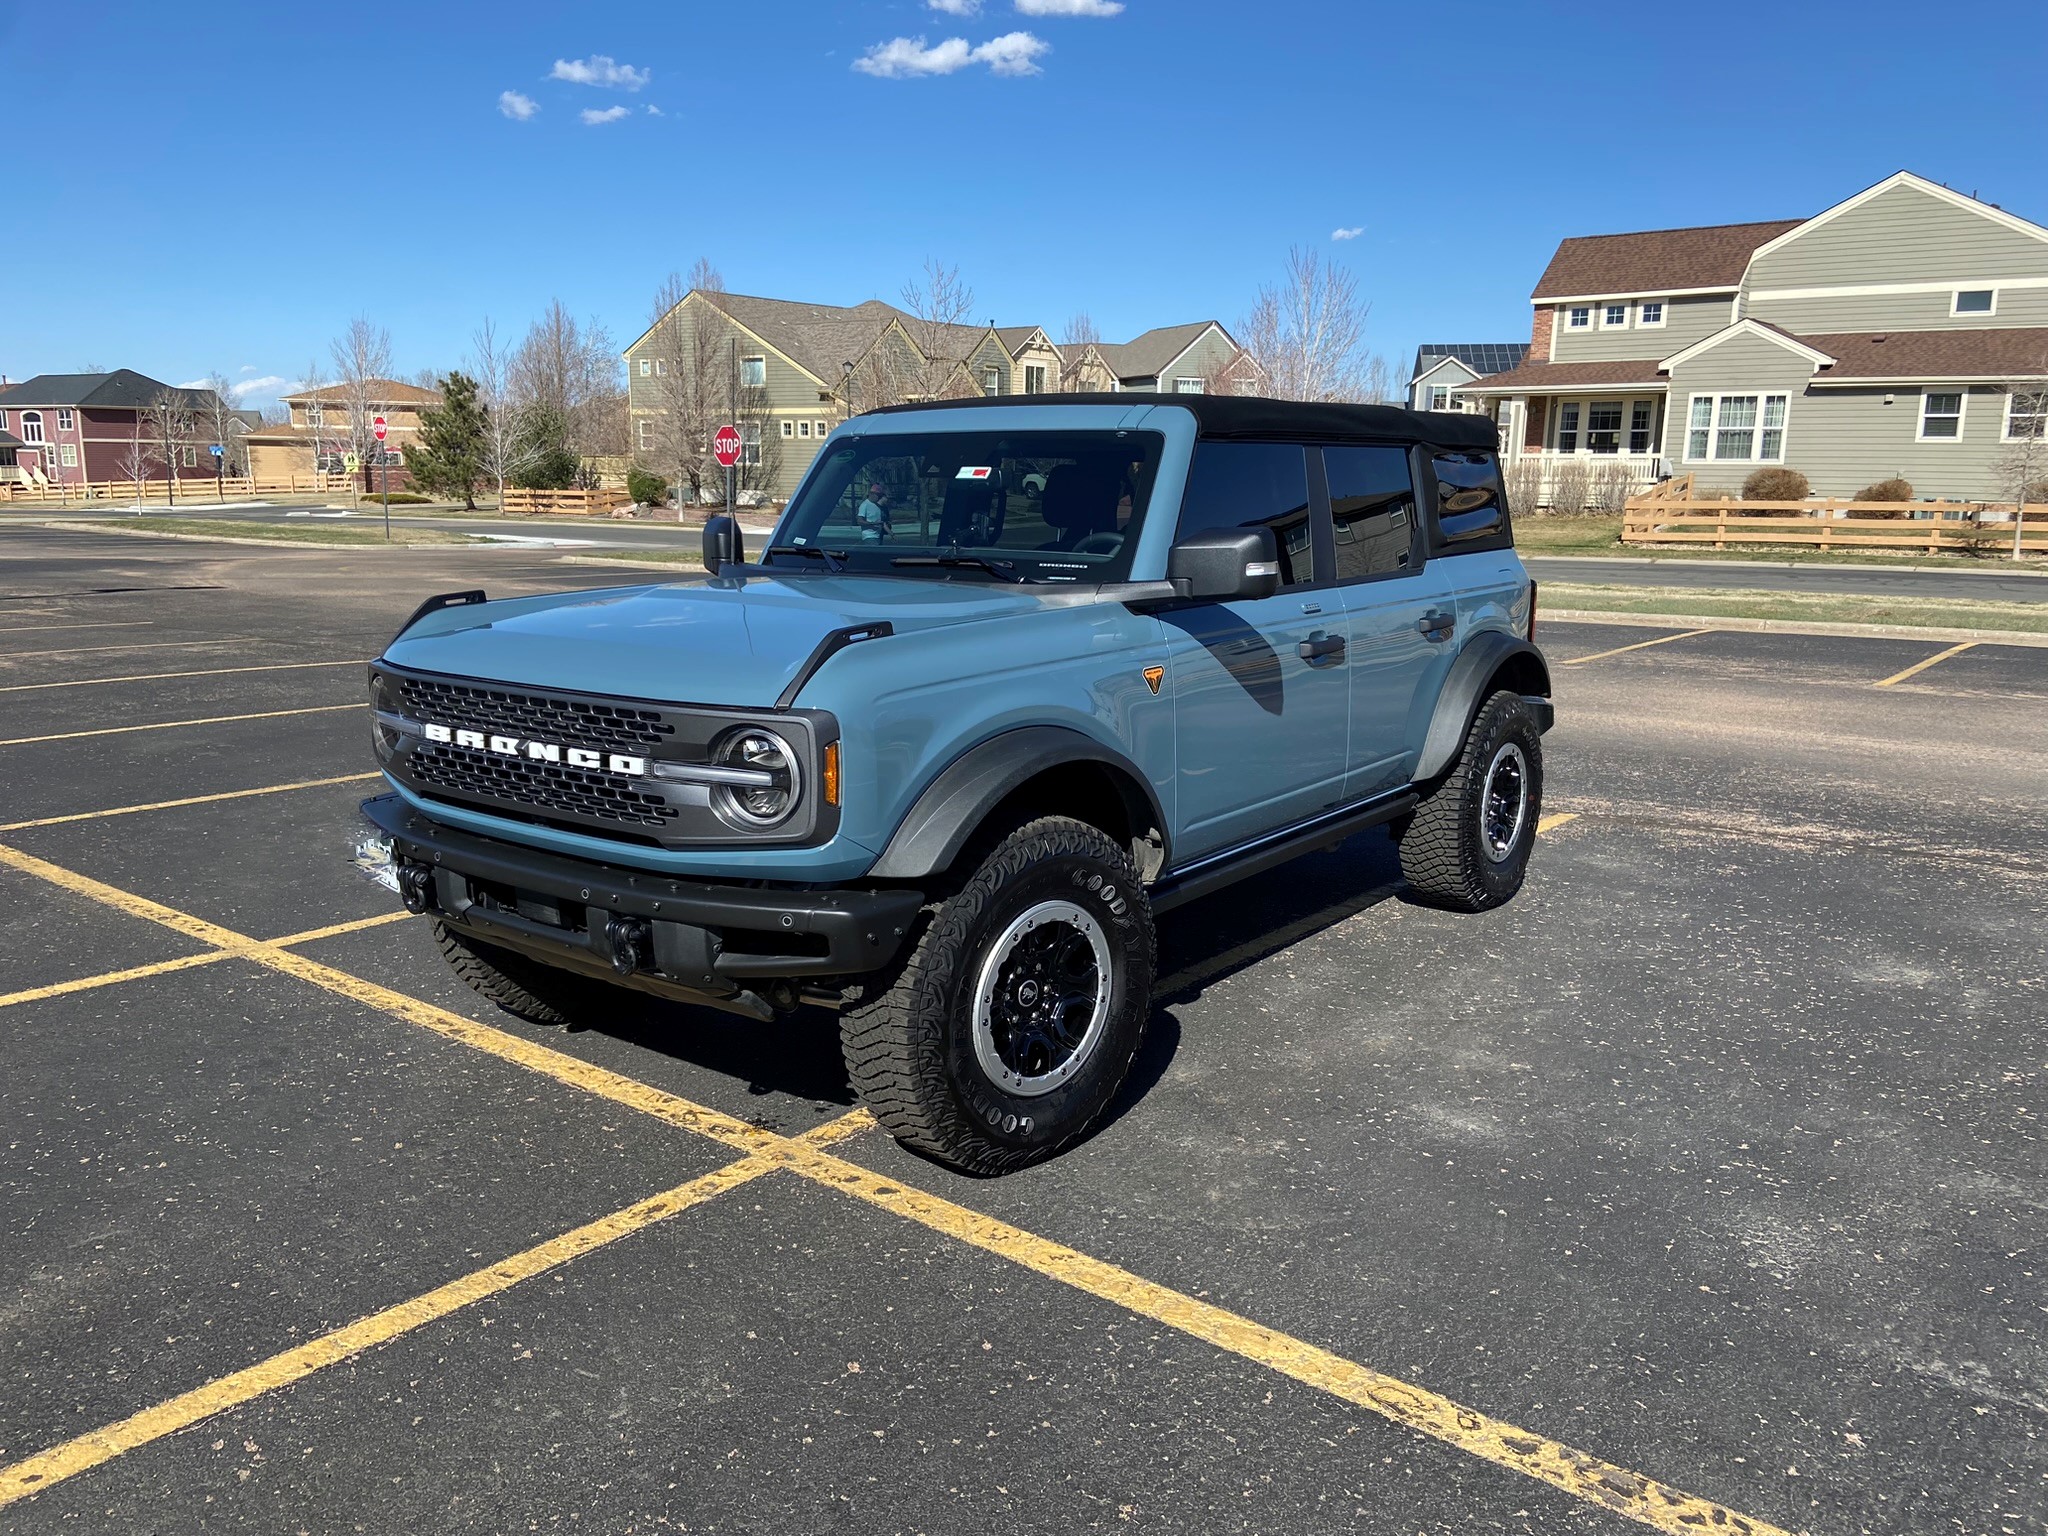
x,y
1902,332
1439,371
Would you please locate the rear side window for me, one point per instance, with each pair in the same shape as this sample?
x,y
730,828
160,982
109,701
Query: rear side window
x,y
1471,506
1372,503
1244,485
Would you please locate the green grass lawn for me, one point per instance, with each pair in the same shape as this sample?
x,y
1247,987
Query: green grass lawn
x,y
310,531
1601,536
1738,603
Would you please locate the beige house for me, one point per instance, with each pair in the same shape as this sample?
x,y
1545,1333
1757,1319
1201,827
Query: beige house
x,y
319,437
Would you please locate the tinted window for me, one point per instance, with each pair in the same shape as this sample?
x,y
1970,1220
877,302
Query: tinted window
x,y
1372,502
1244,485
1470,505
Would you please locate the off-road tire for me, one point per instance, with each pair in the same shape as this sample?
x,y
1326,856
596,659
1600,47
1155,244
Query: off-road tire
x,y
1444,855
909,1040
538,993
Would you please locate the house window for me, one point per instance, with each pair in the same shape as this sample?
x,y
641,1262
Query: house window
x,y
646,428
3,421
2026,416
190,458
750,442
1652,313
1613,315
803,429
1581,316
753,373
820,429
1568,427
1941,417
1639,417
32,426
1742,428
991,381
1187,386
660,366
67,454
313,414
1439,397
646,368
1975,301
1034,378
788,427
65,420
1603,426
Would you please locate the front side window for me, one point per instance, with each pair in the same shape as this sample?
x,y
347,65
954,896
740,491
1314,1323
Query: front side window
x,y
753,373
1246,485
1975,301
32,426
1043,506
1372,504
1568,427
1652,312
1941,417
2026,416
1603,426
64,418
1640,416
1612,315
1580,317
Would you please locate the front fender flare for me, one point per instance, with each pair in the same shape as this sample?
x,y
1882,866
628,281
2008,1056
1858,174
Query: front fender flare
x,y
945,815
1470,681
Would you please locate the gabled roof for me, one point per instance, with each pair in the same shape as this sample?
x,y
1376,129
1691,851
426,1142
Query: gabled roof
x,y
122,390
381,392
1934,189
2012,352
818,338
1016,337
1482,357
9,440
1144,356
1763,330
1707,258
1539,378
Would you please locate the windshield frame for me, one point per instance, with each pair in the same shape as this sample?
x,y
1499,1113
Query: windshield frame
x,y
818,515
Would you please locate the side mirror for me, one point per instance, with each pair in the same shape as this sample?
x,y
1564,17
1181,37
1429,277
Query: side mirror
x,y
1226,564
724,543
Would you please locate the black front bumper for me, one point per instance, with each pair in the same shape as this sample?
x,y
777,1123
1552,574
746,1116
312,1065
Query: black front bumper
x,y
668,936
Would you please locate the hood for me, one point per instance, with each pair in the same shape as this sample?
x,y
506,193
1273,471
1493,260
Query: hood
x,y
736,641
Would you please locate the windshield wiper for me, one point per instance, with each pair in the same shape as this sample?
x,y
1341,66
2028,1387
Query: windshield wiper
x,y
1002,570
836,558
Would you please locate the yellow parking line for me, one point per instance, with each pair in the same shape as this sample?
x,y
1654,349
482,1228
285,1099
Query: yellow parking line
x,y
171,725
112,978
89,1450
1921,666
335,930
154,677
149,645
25,629
1549,823
1496,1441
1579,661
166,805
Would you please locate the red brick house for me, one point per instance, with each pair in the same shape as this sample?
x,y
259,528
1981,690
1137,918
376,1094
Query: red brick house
x,y
70,428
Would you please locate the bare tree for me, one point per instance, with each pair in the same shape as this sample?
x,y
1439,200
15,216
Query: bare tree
x,y
167,422
217,421
2023,467
688,347
1081,334
362,363
504,443
136,459
1307,333
937,303
569,373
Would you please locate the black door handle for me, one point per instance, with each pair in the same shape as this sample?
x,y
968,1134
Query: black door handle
x,y
1437,626
1316,647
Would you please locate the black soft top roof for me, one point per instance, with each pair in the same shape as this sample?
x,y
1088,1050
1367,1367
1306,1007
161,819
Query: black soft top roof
x,y
1222,416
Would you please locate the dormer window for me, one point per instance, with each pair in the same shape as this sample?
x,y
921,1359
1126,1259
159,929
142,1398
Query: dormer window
x,y
1975,301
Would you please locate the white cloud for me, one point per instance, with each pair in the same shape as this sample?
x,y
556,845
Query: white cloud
x,y
1347,234
600,69
955,7
517,107
248,368
653,110
1069,7
593,116
268,385
904,58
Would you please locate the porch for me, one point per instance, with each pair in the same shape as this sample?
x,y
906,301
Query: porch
x,y
1579,451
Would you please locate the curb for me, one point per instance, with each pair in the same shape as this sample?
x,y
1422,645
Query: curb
x,y
2007,569
619,563
1792,626
309,547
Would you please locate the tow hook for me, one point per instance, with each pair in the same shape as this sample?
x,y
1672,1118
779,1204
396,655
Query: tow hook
x,y
630,938
416,887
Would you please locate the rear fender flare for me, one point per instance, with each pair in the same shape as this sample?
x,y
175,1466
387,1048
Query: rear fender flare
x,y
1486,658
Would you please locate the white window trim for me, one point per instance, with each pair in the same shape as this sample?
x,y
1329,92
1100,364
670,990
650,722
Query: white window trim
x,y
3,421
744,363
67,455
37,418
67,420
2005,427
1956,298
991,379
803,428
1439,389
820,429
1572,325
661,367
646,368
1614,325
1663,315
788,428
1763,399
1962,413
646,429
1186,386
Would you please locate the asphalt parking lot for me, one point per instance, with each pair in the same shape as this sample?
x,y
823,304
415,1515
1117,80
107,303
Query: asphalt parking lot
x,y
1700,1188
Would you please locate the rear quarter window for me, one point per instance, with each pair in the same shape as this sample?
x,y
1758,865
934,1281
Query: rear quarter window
x,y
1471,511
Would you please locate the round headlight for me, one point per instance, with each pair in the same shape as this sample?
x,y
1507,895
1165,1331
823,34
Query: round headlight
x,y
773,783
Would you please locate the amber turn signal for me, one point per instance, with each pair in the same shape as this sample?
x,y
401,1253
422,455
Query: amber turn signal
x,y
832,774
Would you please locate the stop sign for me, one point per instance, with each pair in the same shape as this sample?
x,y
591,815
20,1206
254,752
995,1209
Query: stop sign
x,y
377,426
725,444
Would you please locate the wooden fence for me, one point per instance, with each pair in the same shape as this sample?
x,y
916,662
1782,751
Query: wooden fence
x,y
194,490
1924,527
564,503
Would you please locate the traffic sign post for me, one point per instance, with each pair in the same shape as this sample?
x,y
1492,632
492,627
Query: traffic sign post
x,y
219,468
384,463
726,446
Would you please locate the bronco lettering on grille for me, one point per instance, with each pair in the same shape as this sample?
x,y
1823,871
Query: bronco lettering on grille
x,y
536,751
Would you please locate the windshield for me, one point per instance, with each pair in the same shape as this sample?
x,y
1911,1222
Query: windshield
x,y
978,506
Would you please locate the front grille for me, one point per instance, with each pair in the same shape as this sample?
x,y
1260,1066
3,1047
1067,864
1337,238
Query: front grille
x,y
576,722
551,788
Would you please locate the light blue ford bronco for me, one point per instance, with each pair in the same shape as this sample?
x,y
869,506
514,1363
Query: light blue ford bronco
x,y
1011,678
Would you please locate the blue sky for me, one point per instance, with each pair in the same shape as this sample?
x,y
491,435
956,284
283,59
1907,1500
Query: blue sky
x,y
223,188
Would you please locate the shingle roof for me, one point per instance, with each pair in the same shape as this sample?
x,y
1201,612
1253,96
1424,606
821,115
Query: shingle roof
x,y
1655,260
2009,352
1014,336
123,389
1539,377
1143,356
9,440
818,338
1482,357
382,392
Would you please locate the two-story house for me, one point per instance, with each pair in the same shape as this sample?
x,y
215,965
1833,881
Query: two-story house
x,y
1901,332
1442,368
320,434
75,428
